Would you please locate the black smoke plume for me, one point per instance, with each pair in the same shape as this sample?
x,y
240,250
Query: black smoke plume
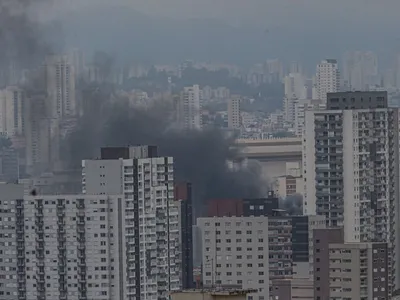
x,y
200,156
293,204
22,37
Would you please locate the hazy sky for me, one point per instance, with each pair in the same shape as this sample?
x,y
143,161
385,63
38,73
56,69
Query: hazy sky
x,y
268,12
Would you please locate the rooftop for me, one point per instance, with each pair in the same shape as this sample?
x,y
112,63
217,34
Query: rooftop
x,y
219,292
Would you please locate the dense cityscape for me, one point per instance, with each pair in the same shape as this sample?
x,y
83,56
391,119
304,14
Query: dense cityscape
x,y
137,180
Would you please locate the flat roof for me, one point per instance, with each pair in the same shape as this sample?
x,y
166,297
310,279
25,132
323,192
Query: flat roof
x,y
218,292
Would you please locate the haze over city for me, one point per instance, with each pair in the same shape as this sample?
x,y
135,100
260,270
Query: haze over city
x,y
182,149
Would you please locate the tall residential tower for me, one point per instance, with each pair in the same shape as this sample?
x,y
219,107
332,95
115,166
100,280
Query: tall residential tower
x,y
149,213
328,78
351,168
188,108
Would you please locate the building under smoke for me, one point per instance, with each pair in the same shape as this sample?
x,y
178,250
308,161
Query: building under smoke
x,y
200,156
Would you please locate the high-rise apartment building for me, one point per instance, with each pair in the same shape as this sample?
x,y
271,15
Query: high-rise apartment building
x,y
60,247
295,86
235,252
188,108
328,78
300,109
60,86
183,194
86,247
351,168
150,214
37,134
234,119
12,119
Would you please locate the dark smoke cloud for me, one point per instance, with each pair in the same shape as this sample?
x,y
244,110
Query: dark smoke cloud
x,y
200,156
293,204
21,36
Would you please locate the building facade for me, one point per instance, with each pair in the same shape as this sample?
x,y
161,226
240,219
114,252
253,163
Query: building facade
x,y
12,118
328,78
189,108
300,109
60,86
60,247
358,271
235,252
183,194
151,216
234,118
351,152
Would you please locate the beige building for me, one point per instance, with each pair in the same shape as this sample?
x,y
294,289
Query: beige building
x,y
288,289
358,271
291,183
349,271
211,294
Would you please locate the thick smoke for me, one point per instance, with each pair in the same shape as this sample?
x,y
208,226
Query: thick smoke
x,y
22,41
200,156
293,204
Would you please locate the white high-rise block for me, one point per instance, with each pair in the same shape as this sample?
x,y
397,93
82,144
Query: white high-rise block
x,y
150,234
328,78
189,115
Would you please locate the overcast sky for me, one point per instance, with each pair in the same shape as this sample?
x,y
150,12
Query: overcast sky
x,y
268,12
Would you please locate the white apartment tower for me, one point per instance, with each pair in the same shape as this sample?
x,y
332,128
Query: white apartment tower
x,y
149,216
234,119
60,86
235,253
12,121
300,109
295,86
189,114
294,90
328,78
351,168
60,247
